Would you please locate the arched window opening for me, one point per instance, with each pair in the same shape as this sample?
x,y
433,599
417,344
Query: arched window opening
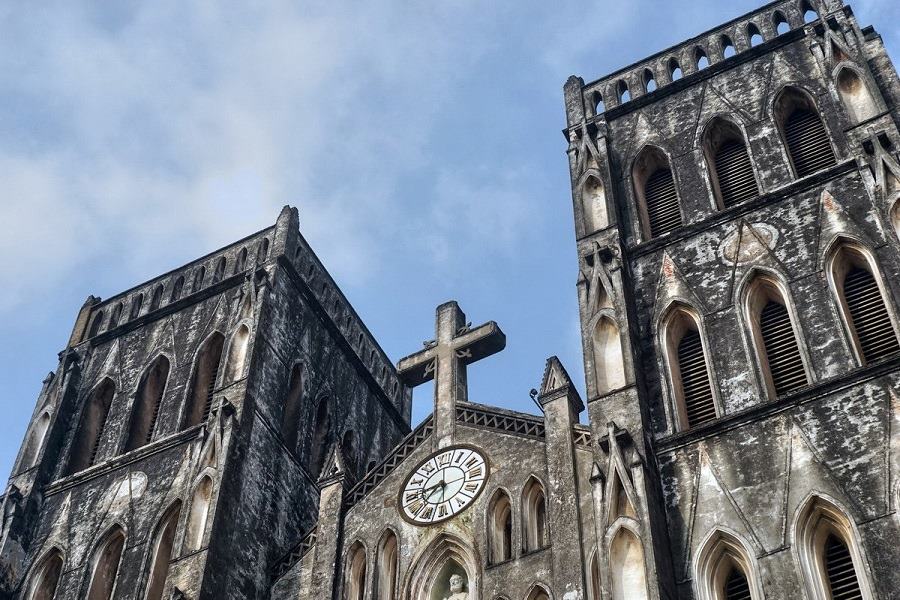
x,y
609,364
163,543
46,577
263,253
622,91
219,273
147,403
654,187
594,578
321,438
863,305
500,529
593,201
199,275
727,47
538,593
35,441
598,104
96,323
756,37
87,440
780,22
809,13
349,449
290,419
106,566
241,262
855,95
203,383
804,132
386,568
534,516
626,563
237,354
674,70
200,503
649,80
730,169
776,340
116,315
830,558
355,586
136,304
156,298
701,60
177,288
724,570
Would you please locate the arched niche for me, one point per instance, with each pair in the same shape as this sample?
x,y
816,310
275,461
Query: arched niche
x,y
724,569
609,363
534,516
163,545
594,577
290,419
45,578
35,441
895,217
320,437
386,567
855,95
198,517
106,560
147,403
355,582
203,380
89,434
538,592
237,354
446,556
593,205
500,527
628,574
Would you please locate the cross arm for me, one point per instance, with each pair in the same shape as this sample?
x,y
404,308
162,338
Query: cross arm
x,y
480,342
413,370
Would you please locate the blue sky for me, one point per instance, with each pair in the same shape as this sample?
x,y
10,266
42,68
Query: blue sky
x,y
420,141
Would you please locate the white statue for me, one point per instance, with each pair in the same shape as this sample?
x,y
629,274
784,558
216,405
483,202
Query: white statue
x,y
457,583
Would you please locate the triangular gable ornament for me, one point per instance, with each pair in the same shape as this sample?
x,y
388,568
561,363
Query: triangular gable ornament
x,y
834,221
672,288
617,474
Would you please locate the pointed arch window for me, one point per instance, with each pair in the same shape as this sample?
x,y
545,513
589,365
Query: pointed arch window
x,y
35,441
628,579
177,289
803,131
200,503
237,354
290,419
147,404
754,35
136,304
106,566
780,23
649,81
219,273
594,577
775,336
538,593
96,323
701,60
500,529
203,382
725,571
46,577
593,205
89,434
728,159
534,516
622,91
598,104
386,568
355,586
688,369
115,315
830,557
863,303
654,187
809,13
855,95
199,276
321,437
608,359
263,253
164,541
727,47
156,298
675,72
241,263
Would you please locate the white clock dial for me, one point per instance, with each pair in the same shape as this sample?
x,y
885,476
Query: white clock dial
x,y
443,485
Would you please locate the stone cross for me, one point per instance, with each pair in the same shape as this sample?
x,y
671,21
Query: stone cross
x,y
444,359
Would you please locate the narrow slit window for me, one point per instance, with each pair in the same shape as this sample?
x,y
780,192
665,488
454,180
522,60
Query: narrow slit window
x,y
727,47
89,434
203,385
147,404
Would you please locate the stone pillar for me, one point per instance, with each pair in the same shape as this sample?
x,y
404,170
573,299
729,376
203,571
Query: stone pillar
x,y
329,539
561,405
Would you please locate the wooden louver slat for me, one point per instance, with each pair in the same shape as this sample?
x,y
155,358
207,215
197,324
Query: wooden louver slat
x,y
735,173
782,352
807,142
737,587
207,405
840,570
697,393
869,315
662,202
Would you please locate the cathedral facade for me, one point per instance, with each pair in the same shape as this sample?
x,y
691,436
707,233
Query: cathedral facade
x,y
231,429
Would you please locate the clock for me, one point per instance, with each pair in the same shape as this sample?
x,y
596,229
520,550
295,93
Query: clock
x,y
443,485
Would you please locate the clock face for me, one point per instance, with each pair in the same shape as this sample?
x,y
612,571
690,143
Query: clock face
x,y
443,485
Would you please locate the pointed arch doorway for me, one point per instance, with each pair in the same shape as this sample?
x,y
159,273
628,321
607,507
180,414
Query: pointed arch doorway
x,y
449,567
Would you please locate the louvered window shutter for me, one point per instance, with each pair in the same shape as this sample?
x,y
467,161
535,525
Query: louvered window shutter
x,y
840,571
662,203
737,587
697,393
207,404
869,315
782,352
735,173
807,142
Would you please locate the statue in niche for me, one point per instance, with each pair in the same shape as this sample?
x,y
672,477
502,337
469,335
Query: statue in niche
x,y
457,587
